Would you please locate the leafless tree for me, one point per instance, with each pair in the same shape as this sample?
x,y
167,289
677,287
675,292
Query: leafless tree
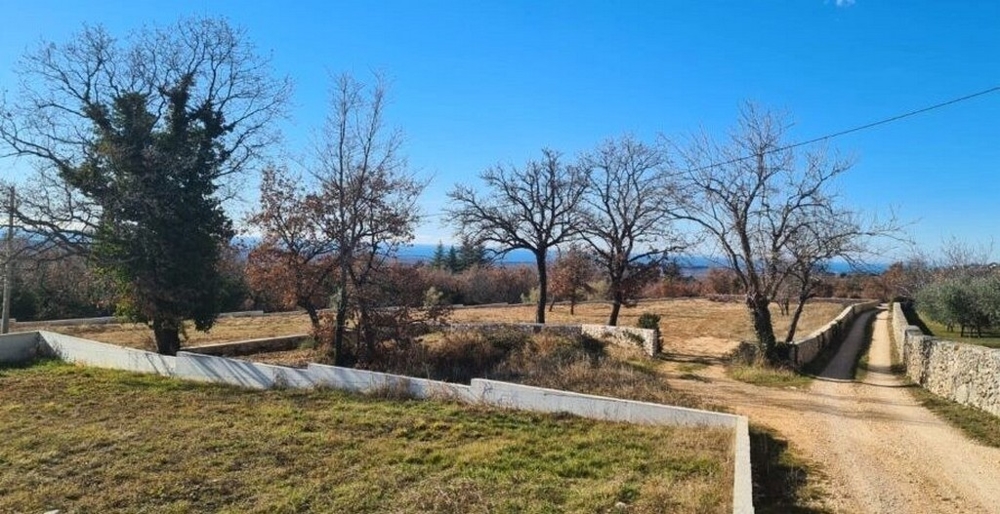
x,y
535,208
834,232
754,197
365,198
627,221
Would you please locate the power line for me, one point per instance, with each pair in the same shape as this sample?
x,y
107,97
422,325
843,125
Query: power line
x,y
859,128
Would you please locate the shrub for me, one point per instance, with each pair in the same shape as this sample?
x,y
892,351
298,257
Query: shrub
x,y
650,321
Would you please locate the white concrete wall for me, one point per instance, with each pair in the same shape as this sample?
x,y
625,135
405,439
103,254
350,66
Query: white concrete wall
x,y
18,348
103,355
364,381
517,396
208,368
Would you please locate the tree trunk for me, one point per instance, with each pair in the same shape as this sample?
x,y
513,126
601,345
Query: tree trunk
x,y
313,315
760,312
616,307
167,335
572,306
367,333
795,318
543,286
339,359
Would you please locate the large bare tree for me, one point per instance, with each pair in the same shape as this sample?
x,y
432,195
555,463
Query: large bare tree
x,y
535,208
136,143
627,221
365,200
755,197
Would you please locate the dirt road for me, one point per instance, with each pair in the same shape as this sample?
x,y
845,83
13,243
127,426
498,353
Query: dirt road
x,y
881,451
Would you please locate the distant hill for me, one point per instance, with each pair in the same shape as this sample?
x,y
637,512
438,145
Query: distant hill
x,y
691,265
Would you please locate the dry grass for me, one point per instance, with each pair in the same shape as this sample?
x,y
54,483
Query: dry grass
x,y
136,335
680,318
683,326
89,440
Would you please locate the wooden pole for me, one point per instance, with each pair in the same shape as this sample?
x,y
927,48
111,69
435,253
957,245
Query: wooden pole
x,y
8,265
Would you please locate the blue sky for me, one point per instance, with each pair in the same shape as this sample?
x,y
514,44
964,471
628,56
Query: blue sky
x,y
477,83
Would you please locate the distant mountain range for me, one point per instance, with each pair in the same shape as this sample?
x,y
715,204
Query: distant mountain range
x,y
691,265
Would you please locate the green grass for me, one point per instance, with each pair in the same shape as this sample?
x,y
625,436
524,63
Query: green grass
x,y
768,376
88,440
977,424
989,340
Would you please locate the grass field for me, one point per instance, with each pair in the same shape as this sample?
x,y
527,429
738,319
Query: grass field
x,y
990,340
89,440
683,324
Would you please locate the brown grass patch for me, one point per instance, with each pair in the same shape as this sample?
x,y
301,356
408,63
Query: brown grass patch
x,y
684,324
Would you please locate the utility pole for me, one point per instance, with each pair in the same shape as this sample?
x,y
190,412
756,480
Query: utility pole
x,y
8,265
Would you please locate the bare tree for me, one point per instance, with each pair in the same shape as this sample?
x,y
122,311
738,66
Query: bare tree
x,y
535,208
753,197
627,221
834,232
365,199
137,142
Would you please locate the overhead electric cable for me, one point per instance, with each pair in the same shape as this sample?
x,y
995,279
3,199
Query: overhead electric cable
x,y
859,128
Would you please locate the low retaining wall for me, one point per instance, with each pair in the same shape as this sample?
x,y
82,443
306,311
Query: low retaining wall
x,y
17,348
633,337
803,351
965,373
251,346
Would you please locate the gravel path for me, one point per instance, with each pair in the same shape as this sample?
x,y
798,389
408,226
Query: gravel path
x,y
880,451
889,453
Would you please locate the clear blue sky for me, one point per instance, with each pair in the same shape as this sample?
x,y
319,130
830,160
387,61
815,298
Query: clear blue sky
x,y
476,83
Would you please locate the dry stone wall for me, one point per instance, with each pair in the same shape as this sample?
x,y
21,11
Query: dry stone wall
x,y
646,339
805,350
965,373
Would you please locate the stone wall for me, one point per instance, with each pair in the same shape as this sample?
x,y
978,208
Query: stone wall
x,y
804,350
965,373
643,338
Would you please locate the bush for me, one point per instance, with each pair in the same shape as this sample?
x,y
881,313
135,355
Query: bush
x,y
650,321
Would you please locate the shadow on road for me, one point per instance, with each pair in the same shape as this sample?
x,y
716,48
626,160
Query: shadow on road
x,y
845,360
779,480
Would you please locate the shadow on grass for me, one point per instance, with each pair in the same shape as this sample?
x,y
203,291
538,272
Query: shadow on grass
x,y
37,361
780,480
